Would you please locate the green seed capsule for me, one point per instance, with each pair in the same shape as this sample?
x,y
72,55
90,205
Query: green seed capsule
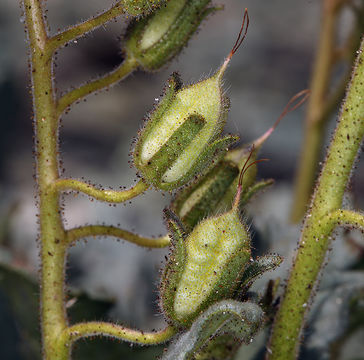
x,y
205,266
141,7
210,264
156,39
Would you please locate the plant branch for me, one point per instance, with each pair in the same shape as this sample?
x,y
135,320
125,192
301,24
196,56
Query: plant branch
x,y
75,234
52,253
344,218
120,73
78,30
315,238
111,196
95,328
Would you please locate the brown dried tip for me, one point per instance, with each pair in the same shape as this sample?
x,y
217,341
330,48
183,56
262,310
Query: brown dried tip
x,y
238,42
240,38
304,94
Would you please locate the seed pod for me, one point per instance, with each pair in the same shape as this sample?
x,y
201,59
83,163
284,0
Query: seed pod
x,y
157,38
206,265
182,136
214,192
141,7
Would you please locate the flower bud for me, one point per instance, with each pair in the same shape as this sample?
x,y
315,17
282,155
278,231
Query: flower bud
x,y
141,7
156,39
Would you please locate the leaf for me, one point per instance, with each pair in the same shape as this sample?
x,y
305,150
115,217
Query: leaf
x,y
218,332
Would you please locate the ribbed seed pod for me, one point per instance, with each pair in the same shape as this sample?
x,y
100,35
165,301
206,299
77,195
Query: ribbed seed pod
x,y
181,137
157,38
204,267
210,264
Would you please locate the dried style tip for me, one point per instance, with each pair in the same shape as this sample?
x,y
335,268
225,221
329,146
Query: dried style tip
x,y
241,175
291,106
238,42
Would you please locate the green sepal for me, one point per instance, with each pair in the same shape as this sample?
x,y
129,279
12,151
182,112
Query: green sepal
x,y
174,267
174,83
201,198
141,7
174,225
257,268
157,38
218,332
170,151
210,156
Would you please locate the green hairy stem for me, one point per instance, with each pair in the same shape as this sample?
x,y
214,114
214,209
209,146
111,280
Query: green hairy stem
x,y
322,218
57,336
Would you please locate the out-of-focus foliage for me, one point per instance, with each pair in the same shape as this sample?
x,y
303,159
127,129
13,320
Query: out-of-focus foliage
x,y
19,308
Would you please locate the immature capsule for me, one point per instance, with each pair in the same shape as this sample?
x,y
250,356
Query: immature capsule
x,y
182,136
206,265
215,191
157,38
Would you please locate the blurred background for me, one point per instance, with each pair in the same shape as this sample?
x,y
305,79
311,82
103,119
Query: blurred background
x,y
119,281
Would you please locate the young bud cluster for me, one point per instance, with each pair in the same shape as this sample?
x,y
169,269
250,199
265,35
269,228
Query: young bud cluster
x,y
157,38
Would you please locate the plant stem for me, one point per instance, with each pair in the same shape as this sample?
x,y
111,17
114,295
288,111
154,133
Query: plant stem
x,y
111,196
121,72
95,328
315,237
314,124
76,31
103,230
51,228
344,218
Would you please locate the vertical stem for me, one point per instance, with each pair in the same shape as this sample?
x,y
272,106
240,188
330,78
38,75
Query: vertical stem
x,y
52,235
314,124
315,237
